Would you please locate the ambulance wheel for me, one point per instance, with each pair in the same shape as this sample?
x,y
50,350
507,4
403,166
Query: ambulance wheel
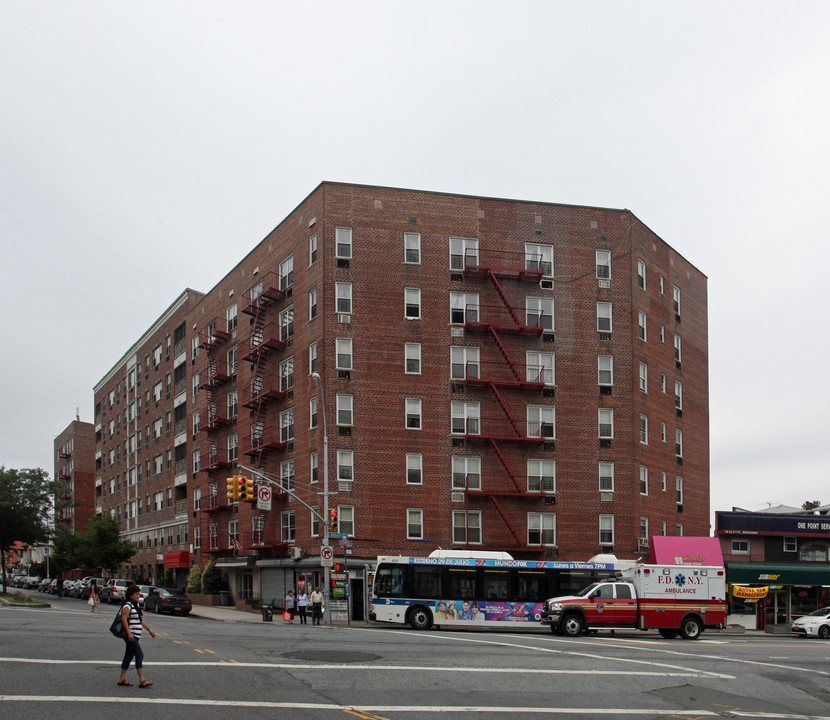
x,y
669,634
573,625
690,628
420,618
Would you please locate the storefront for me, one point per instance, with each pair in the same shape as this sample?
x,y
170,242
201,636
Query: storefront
x,y
179,564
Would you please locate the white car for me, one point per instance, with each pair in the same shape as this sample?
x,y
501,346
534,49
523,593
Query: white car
x,y
816,624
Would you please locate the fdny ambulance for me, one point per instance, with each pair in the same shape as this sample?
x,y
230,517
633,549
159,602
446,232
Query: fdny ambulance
x,y
674,599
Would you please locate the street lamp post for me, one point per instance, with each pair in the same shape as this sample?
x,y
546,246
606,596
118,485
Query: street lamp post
x,y
316,377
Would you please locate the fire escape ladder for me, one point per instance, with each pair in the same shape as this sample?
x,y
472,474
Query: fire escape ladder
x,y
500,291
505,354
503,460
507,522
259,378
505,410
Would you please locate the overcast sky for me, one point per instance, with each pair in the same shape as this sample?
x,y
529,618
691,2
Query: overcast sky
x,y
148,147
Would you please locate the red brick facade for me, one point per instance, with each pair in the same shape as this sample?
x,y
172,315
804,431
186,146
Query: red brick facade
x,y
74,451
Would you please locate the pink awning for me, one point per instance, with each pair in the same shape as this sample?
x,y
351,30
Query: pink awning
x,y
685,551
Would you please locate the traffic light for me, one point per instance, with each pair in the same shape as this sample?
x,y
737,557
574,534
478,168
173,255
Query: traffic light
x,y
233,488
333,520
240,487
246,488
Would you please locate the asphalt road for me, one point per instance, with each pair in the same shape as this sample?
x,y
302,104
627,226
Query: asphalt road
x,y
63,661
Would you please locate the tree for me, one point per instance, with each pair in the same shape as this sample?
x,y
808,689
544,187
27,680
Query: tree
x,y
211,579
25,502
194,580
102,545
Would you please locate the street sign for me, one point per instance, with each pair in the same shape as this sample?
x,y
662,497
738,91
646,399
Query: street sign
x,y
344,538
334,536
326,553
263,495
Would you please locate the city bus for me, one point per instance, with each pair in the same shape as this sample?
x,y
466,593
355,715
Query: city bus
x,y
463,589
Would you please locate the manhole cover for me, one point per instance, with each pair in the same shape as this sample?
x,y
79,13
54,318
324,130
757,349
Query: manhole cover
x,y
332,656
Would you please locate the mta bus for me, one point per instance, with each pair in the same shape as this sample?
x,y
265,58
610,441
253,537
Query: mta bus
x,y
463,589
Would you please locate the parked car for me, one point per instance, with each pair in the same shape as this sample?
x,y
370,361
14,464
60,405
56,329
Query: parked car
x,y
113,591
87,584
32,582
168,600
75,588
816,624
145,591
44,584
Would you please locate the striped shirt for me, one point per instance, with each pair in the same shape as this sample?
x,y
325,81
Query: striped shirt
x,y
134,620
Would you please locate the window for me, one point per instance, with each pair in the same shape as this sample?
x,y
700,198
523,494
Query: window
x,y
539,312
231,315
604,264
662,334
411,247
663,481
660,282
539,367
312,412
663,432
233,404
413,413
541,529
414,524
345,410
287,374
643,480
465,418
344,297
676,298
312,304
158,390
156,356
541,476
414,469
412,303
233,447
678,486
158,428
644,377
158,464
315,521
287,323
463,307
644,429
466,473
197,418
643,528
288,527
605,370
344,353
345,519
466,527
197,498
604,317
345,465
606,529
663,382
344,242
464,362
539,257
678,394
287,273
287,426
678,529
233,360
678,443
314,467
312,249
677,348
641,274
287,474
606,423
541,421
412,358
740,547
233,534
312,358
606,477
641,326
790,545
463,252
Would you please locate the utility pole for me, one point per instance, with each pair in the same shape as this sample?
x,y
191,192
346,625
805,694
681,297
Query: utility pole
x,y
326,578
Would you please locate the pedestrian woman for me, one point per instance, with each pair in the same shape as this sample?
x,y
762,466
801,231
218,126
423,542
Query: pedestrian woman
x,y
289,606
316,606
133,620
302,604
94,598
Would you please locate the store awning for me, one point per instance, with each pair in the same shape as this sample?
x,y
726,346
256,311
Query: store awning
x,y
685,550
177,560
778,573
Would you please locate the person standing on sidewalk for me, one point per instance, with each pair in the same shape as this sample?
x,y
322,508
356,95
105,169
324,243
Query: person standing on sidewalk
x,y
289,605
133,620
302,604
316,606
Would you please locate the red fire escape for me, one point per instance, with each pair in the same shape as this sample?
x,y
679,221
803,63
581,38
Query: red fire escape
x,y
496,321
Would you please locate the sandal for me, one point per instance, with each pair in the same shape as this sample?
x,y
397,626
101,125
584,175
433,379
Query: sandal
x,y
145,684
124,682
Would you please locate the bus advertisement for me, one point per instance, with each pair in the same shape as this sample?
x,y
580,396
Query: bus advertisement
x,y
460,588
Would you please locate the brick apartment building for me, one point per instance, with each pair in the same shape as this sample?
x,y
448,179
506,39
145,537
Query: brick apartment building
x,y
141,445
74,463
494,374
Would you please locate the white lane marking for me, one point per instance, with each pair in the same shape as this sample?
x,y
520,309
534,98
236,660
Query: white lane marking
x,y
638,712
375,668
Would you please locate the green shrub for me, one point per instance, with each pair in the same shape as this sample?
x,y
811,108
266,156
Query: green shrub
x,y
211,579
194,580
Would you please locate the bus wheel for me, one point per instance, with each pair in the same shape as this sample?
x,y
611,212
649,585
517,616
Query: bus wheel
x,y
669,634
420,618
690,628
573,625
